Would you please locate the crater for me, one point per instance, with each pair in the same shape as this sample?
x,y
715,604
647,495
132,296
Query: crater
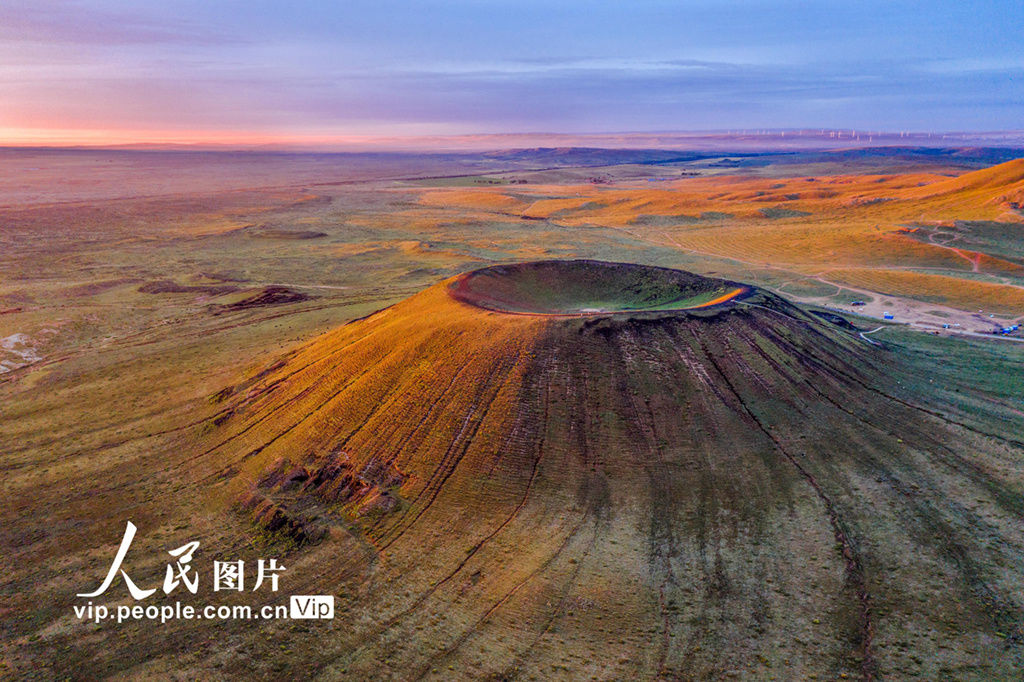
x,y
577,288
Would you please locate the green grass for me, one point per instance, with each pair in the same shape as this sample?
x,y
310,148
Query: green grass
x,y
809,287
962,363
776,212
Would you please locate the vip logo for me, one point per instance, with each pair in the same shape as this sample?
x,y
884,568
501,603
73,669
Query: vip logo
x,y
312,606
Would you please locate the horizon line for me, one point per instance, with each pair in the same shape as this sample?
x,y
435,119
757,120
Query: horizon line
x,y
678,140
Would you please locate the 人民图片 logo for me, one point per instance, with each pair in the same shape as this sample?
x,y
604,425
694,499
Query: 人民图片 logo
x,y
227,575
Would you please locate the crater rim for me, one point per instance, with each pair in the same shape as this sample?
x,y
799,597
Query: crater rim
x,y
587,287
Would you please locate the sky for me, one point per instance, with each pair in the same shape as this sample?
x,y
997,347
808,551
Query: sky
x,y
95,71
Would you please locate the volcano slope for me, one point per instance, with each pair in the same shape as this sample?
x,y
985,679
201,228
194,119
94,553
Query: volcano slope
x,y
596,489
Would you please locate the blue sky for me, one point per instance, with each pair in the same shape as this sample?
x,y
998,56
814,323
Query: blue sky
x,y
482,66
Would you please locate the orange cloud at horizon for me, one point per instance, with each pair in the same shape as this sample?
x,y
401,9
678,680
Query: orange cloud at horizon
x,y
27,137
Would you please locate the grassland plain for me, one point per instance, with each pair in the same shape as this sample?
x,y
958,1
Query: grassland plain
x,y
740,490
817,227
